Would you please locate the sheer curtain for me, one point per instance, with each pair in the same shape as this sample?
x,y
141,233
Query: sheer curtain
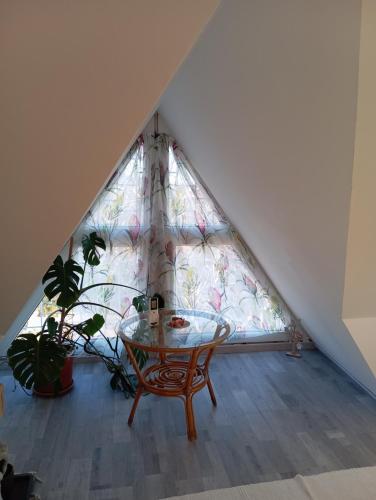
x,y
165,233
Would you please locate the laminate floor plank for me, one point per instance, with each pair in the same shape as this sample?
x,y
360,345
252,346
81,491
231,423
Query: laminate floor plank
x,y
276,417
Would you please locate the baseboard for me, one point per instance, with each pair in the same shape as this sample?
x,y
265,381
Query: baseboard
x,y
229,349
259,347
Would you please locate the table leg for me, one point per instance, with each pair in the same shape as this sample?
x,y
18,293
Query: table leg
x,y
139,392
140,379
206,370
211,391
190,417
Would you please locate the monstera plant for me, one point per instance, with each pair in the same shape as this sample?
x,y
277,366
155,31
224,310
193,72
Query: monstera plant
x,y
41,361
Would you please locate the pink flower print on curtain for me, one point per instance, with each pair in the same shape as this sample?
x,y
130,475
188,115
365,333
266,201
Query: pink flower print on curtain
x,y
170,252
250,284
201,223
125,306
140,268
134,231
215,299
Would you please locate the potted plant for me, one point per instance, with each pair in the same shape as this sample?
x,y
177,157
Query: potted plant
x,y
42,361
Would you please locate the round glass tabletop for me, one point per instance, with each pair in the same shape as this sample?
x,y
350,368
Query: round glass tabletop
x,y
200,328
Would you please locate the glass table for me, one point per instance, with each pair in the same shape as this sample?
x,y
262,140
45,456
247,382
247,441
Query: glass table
x,y
183,355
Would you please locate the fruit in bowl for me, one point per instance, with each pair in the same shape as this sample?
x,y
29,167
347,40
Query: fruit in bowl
x,y
177,322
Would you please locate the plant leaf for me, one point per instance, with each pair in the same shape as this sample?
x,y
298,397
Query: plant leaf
x,y
114,381
93,325
90,245
36,360
140,303
63,279
52,326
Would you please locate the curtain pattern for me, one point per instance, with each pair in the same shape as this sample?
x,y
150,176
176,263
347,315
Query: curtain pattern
x,y
165,233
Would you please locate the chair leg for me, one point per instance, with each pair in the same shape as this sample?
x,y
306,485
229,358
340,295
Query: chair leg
x,y
139,391
191,427
211,392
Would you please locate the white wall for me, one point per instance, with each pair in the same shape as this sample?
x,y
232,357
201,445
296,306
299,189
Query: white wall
x,y
265,109
359,302
78,81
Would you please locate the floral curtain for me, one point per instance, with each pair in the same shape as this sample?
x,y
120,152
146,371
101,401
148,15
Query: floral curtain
x,y
165,233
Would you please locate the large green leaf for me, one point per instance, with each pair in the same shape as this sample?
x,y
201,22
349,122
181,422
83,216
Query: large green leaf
x,y
141,303
92,325
90,245
63,278
36,360
52,326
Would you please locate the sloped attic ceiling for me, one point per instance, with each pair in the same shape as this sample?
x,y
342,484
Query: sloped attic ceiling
x,y
265,108
79,81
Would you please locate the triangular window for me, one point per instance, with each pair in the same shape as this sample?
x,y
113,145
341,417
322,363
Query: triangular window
x,y
165,233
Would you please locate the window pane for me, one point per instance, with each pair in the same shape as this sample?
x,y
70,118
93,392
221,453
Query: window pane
x,y
188,205
214,277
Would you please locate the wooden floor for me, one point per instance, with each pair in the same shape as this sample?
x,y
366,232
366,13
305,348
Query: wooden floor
x,y
275,417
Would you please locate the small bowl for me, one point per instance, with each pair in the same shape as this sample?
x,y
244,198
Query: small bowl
x,y
178,326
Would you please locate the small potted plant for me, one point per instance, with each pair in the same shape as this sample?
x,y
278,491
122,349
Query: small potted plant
x,y
42,361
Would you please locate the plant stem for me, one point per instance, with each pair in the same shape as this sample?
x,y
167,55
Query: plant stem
x,y
61,325
110,284
93,304
108,361
49,316
83,275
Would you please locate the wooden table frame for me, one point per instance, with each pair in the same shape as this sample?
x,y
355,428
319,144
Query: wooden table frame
x,y
173,377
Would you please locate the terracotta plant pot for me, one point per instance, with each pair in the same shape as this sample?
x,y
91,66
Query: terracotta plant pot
x,y
66,382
